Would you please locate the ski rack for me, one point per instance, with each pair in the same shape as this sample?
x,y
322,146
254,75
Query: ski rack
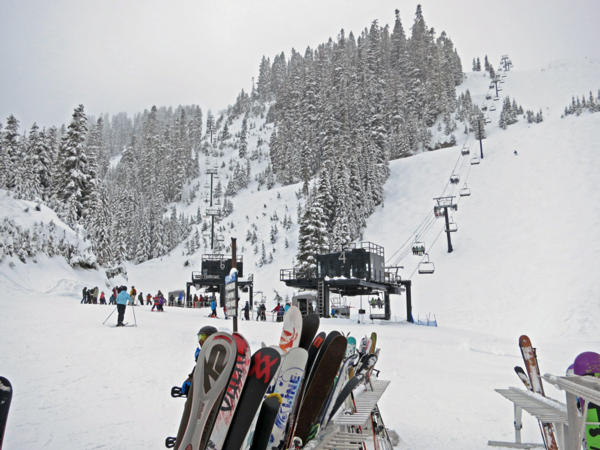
x,y
335,435
587,389
568,420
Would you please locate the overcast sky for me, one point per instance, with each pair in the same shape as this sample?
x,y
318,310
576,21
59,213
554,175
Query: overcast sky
x,y
126,55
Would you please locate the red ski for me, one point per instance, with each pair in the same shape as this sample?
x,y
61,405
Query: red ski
x,y
535,379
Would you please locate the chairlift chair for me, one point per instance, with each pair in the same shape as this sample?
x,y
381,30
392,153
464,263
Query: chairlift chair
x,y
438,211
465,191
426,266
475,160
492,108
465,150
418,248
454,178
488,97
496,98
483,107
452,227
488,120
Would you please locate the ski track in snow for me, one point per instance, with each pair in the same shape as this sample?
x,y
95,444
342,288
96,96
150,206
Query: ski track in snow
x,y
523,262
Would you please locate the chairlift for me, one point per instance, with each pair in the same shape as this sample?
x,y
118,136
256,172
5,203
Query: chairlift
x,y
492,108
488,120
464,191
488,97
483,107
496,98
475,160
492,85
465,150
426,266
418,248
454,178
438,211
452,227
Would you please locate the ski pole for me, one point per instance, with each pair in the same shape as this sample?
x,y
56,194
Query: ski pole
x,y
134,320
109,315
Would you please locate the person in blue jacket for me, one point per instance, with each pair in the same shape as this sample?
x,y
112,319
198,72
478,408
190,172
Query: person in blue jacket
x,y
213,307
122,299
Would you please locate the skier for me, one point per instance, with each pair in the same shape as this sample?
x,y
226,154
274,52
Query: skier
x,y
247,311
122,300
203,334
84,295
141,299
132,294
263,312
102,298
213,307
515,153
148,299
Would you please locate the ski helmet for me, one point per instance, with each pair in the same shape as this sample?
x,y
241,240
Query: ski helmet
x,y
205,332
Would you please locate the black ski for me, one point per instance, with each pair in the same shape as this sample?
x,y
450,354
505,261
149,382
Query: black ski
x,y
266,419
6,392
310,326
263,368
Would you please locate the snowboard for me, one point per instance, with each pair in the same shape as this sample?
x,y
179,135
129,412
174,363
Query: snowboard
x,y
310,326
287,385
588,363
6,392
292,329
323,375
232,393
211,376
535,378
263,366
266,419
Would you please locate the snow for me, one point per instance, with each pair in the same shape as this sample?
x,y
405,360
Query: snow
x,y
523,262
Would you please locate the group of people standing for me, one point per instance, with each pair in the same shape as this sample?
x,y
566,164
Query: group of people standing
x,y
90,296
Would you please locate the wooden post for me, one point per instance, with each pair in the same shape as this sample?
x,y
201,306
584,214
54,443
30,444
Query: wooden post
x,y
233,266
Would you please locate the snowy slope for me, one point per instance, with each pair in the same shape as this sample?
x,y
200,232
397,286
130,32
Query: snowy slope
x,y
523,262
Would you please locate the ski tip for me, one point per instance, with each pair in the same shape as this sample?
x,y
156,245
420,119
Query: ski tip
x,y
519,369
524,340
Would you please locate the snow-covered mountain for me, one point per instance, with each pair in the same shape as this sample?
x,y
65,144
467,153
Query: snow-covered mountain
x,y
523,262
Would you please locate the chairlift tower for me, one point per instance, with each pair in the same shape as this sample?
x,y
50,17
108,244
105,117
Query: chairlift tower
x,y
479,118
441,209
212,212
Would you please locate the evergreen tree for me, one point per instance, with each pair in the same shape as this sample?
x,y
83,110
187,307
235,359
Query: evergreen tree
x,y
75,184
243,146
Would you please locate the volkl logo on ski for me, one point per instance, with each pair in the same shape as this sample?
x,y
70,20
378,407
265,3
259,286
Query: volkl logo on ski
x,y
262,367
213,367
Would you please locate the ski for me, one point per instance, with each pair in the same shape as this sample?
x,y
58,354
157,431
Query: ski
x,y
367,362
292,329
211,376
232,393
342,379
310,326
313,350
6,392
266,419
351,348
263,366
287,384
319,384
523,377
535,378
